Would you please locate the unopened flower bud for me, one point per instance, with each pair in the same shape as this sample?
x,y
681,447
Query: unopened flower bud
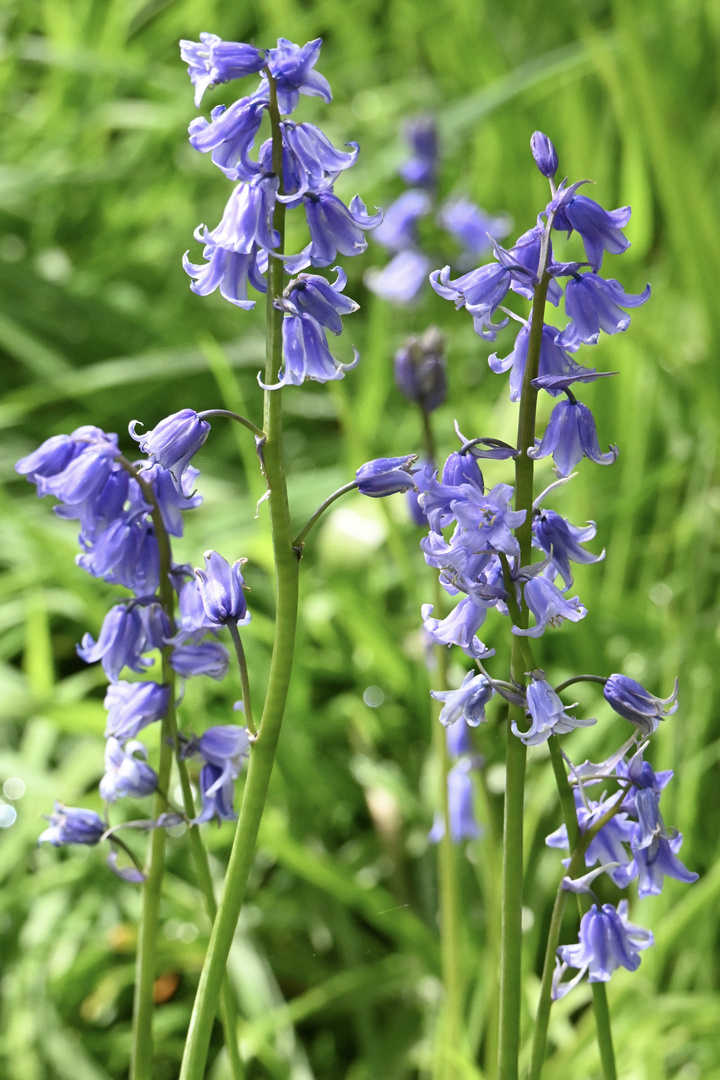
x,y
544,153
420,370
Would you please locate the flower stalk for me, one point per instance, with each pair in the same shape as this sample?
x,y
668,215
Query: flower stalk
x,y
512,870
262,755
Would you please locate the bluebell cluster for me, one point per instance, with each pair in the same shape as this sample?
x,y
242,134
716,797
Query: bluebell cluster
x,y
402,279
237,251
472,543
634,845
119,506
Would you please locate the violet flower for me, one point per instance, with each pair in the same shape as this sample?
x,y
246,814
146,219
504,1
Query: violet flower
x,y
549,607
222,590
72,825
570,436
174,441
631,700
608,940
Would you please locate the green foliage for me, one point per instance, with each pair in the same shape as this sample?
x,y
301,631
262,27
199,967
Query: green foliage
x,y
336,962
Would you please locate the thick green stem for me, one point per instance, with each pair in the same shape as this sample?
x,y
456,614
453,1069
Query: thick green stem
x,y
512,872
141,1066
262,754
542,1017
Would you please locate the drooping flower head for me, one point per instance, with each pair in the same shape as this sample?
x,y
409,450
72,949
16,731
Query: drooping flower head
x,y
174,441
608,940
631,700
72,825
420,370
222,589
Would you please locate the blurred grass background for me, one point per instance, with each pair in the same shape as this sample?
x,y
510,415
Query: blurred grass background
x,y
336,961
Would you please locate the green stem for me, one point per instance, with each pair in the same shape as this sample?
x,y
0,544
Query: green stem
x,y
542,1017
209,413
141,1066
143,1008
300,538
244,678
512,870
262,754
578,844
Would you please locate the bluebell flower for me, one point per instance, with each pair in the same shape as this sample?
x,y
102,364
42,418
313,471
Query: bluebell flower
x,y
121,643
335,227
471,225
51,457
126,553
174,441
314,295
291,67
462,468
313,158
421,169
461,814
217,792
156,624
208,658
126,771
306,354
225,269
601,230
72,825
609,846
594,304
554,360
654,847
230,135
655,861
398,228
478,574
631,700
571,435
481,292
546,712
561,540
549,607
222,589
225,746
401,279
420,370
192,618
212,61
386,476
457,740
526,252
488,519
544,154
104,505
459,627
608,940
85,476
224,749
132,706
247,221
173,502
425,473
466,703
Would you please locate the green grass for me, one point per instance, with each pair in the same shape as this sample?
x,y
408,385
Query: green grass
x,y
336,962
